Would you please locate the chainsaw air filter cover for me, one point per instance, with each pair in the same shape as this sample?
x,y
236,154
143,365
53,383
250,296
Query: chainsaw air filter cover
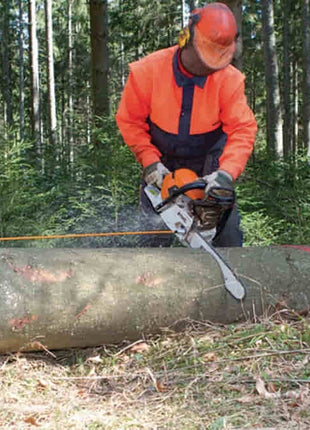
x,y
178,179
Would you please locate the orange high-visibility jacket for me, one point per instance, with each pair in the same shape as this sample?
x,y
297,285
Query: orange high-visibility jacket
x,y
164,114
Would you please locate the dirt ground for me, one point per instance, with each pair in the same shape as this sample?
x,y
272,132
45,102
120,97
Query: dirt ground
x,y
250,376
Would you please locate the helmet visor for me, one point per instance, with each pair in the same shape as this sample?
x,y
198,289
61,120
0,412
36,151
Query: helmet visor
x,y
213,54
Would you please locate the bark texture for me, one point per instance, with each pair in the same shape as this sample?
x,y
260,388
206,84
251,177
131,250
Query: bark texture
x,y
99,56
287,118
21,72
7,62
273,104
50,78
306,83
78,298
34,70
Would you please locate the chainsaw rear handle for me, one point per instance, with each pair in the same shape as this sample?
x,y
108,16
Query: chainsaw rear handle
x,y
200,184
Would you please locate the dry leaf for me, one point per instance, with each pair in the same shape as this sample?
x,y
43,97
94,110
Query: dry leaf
x,y
261,389
237,388
249,398
271,387
206,339
92,372
300,396
140,347
42,385
124,358
166,342
213,367
210,356
293,405
161,386
96,359
32,421
148,279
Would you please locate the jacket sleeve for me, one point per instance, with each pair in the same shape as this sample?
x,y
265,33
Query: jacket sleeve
x,y
132,114
239,124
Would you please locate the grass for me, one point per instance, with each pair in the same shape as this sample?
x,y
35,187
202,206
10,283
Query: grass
x,y
254,375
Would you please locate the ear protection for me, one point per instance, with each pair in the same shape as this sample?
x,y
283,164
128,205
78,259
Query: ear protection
x,y
186,33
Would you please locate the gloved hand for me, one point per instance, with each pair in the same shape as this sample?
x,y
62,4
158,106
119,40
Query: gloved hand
x,y
218,179
154,174
220,196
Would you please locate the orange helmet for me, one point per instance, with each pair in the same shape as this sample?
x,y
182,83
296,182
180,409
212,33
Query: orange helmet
x,y
178,179
215,31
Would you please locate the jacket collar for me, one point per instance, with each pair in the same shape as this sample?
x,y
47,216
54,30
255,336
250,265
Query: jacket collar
x,y
182,80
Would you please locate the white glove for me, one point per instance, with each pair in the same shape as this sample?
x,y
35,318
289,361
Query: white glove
x,y
154,174
220,179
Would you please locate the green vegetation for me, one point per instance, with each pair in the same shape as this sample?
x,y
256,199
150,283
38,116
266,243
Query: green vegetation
x,y
274,202
273,196
89,181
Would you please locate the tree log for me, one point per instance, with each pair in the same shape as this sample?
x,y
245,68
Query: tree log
x,y
62,298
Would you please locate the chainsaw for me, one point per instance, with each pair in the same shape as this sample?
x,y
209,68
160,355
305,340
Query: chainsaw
x,y
193,218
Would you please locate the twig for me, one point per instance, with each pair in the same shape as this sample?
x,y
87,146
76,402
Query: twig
x,y
297,381
268,354
128,347
152,377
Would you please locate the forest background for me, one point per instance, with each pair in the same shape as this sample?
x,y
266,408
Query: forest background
x,y
63,165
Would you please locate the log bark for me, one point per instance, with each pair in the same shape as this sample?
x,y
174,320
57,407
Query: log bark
x,y
63,298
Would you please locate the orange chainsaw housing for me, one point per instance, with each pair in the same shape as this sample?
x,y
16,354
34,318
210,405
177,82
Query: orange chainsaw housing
x,y
179,178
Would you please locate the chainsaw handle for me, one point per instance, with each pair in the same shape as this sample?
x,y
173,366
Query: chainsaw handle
x,y
200,184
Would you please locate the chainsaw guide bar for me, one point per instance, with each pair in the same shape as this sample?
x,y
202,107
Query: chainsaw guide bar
x,y
176,213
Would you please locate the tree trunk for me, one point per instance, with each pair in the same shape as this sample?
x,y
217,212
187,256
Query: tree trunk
x,y
65,298
70,89
7,62
183,14
236,7
50,80
273,105
192,4
21,72
88,114
99,56
34,67
287,123
295,107
306,74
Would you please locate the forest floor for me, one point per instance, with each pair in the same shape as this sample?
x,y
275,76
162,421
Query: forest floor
x,y
245,376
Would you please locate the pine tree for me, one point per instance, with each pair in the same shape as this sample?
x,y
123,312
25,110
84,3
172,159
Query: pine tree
x,y
274,117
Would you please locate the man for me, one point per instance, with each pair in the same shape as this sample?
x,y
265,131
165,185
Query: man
x,y
185,106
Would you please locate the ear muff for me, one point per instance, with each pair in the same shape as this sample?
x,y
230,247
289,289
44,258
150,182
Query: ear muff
x,y
184,37
187,32
178,179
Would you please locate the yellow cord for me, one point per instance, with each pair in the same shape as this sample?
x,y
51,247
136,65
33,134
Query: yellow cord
x,y
77,235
